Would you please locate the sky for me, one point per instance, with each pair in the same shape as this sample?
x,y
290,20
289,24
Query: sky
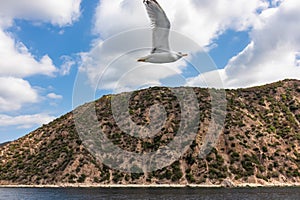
x,y
51,49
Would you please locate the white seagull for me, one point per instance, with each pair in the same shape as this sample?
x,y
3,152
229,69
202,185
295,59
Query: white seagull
x,y
161,52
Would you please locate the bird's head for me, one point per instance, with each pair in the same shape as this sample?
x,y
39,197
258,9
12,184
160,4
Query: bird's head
x,y
180,54
144,59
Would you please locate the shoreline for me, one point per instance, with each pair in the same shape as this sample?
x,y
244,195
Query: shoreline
x,y
242,185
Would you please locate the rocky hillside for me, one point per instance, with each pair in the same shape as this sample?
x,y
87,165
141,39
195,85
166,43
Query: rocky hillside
x,y
3,144
260,142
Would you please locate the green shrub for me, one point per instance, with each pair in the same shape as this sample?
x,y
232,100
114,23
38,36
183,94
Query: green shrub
x,y
264,149
82,178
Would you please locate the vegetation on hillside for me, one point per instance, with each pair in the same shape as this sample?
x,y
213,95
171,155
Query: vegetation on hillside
x,y
260,142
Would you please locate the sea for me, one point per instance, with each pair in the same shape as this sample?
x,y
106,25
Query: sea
x,y
149,193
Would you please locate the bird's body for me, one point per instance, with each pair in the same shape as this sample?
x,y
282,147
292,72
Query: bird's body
x,y
161,52
163,57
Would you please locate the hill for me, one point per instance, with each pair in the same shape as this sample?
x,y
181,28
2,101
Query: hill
x,y
259,143
3,144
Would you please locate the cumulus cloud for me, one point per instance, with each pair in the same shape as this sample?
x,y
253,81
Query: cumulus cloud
x,y
273,53
5,21
112,64
14,93
15,58
200,21
25,121
68,63
54,96
17,61
56,12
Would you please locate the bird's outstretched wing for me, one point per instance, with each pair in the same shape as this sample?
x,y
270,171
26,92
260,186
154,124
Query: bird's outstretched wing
x,y
161,26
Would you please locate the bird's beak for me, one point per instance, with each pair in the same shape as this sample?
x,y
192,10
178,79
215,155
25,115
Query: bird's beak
x,y
184,55
141,60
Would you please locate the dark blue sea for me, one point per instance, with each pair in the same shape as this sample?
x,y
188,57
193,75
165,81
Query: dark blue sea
x,y
149,193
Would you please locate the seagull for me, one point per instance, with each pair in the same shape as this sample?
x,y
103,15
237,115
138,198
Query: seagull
x,y
161,52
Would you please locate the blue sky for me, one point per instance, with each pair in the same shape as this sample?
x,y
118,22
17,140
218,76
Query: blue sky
x,y
45,45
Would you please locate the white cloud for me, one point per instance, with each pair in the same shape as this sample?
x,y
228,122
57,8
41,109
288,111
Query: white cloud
x,y
113,65
211,79
57,12
113,17
68,63
17,61
25,121
273,53
54,96
14,93
5,21
202,21
276,3
15,58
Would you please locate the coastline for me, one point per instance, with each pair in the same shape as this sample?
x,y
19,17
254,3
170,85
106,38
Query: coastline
x,y
242,185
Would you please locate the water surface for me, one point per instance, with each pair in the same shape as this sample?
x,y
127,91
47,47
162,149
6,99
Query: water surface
x,y
149,193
